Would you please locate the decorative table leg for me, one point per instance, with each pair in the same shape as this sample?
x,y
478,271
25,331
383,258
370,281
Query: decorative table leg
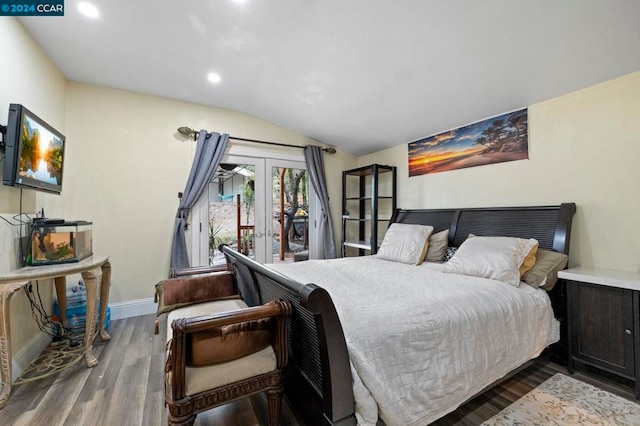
x,y
105,285
61,293
91,284
6,291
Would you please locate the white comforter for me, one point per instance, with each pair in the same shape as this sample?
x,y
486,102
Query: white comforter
x,y
421,342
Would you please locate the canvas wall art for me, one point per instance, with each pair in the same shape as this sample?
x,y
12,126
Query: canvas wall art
x,y
495,140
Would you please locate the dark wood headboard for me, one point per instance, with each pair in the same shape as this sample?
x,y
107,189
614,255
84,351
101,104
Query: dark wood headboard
x,y
319,383
550,225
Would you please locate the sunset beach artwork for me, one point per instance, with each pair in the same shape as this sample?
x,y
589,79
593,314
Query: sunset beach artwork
x,y
495,140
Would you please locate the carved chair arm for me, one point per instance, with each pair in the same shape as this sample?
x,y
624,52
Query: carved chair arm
x,y
184,328
271,309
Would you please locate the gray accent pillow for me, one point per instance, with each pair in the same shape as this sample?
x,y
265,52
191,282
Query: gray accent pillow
x,y
544,272
438,244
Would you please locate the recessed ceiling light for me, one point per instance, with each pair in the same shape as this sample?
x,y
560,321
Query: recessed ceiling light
x,y
214,77
88,10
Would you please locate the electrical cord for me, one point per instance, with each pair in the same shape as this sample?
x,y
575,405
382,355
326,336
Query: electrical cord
x,y
21,255
22,258
25,254
45,322
18,218
38,314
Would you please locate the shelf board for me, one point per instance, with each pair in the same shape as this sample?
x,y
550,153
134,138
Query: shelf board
x,y
365,219
357,244
380,197
368,170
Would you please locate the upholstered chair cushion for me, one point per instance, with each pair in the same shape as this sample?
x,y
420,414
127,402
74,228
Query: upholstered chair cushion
x,y
198,379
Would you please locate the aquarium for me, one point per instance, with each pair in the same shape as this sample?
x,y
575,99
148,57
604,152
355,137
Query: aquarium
x,y
60,243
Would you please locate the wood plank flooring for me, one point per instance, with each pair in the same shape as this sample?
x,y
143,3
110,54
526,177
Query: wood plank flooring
x,y
126,389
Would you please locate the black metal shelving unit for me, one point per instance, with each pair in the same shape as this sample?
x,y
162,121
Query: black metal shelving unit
x,y
368,201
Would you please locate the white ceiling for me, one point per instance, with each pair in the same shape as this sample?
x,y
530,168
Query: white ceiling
x,y
361,75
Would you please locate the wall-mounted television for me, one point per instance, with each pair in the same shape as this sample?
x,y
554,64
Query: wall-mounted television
x,y
34,152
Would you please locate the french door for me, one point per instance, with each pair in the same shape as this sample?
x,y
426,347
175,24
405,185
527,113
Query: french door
x,y
260,206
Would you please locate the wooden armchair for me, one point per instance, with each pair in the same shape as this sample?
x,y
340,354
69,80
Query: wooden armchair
x,y
220,350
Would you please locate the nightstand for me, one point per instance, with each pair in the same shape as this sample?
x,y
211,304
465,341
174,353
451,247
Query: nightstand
x,y
603,321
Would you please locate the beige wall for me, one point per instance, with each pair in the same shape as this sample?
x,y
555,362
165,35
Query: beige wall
x,y
125,168
584,147
27,77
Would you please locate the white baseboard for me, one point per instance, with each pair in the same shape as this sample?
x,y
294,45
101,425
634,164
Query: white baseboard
x,y
132,308
28,353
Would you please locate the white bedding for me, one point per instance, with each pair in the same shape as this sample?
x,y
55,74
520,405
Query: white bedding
x,y
421,341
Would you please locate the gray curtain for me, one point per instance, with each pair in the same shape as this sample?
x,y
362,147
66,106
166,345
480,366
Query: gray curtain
x,y
209,150
315,168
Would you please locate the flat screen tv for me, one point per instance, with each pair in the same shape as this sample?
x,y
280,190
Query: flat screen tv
x,y
34,152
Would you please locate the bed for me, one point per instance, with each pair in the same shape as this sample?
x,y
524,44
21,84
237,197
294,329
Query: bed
x,y
361,347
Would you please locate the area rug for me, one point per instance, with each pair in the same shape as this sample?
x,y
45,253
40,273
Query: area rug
x,y
561,400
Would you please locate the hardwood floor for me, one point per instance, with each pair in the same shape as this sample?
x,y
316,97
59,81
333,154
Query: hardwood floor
x,y
126,388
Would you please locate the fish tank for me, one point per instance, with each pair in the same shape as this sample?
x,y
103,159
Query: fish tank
x,y
60,242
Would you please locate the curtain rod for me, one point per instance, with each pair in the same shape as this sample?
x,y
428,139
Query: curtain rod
x,y
189,132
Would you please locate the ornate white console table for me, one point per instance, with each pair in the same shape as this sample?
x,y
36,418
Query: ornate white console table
x,y
13,281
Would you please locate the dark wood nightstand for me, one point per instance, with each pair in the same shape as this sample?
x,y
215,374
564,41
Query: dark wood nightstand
x,y
604,321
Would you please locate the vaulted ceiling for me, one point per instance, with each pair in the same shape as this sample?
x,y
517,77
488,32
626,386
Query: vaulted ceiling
x,y
361,75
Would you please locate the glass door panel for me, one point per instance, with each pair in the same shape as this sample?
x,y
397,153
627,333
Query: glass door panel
x,y
243,209
234,215
289,207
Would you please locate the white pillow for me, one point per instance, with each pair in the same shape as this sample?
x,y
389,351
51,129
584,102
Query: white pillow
x,y
498,258
405,243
